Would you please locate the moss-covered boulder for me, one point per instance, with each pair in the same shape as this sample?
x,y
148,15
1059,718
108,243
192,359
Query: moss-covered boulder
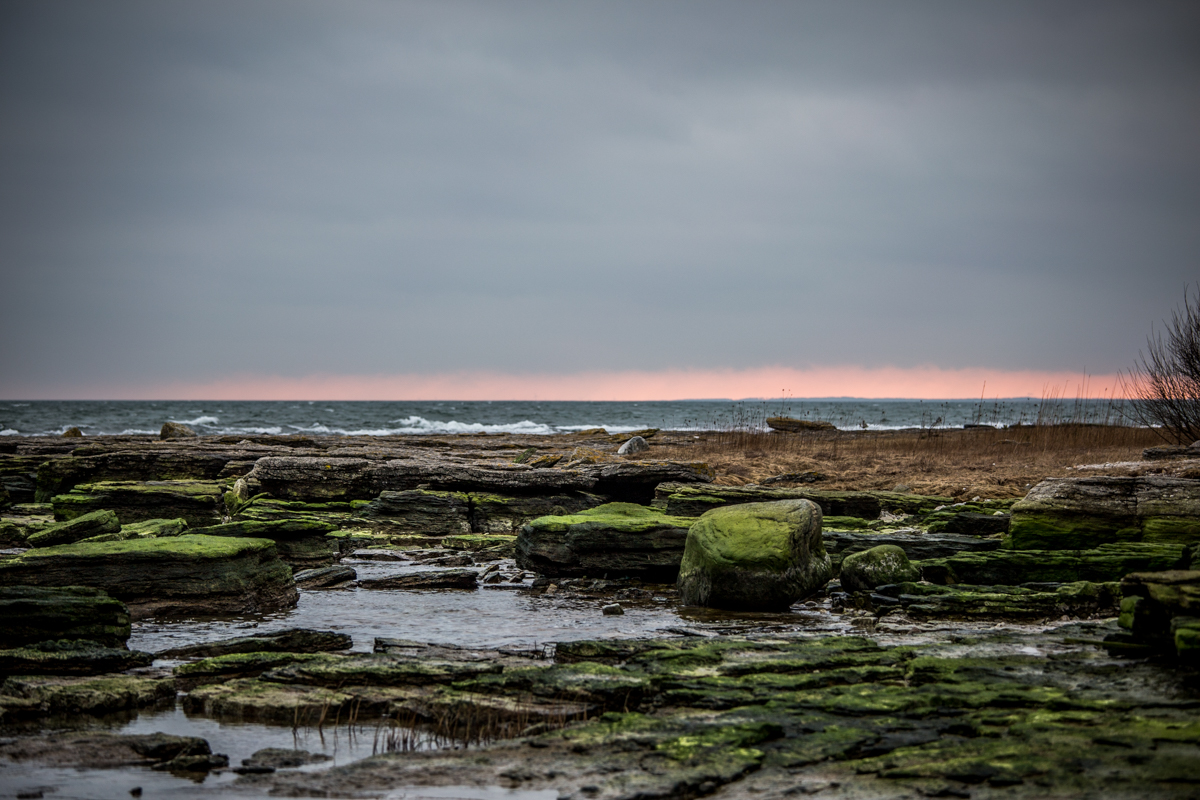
x,y
198,502
754,556
615,539
1081,513
194,575
301,543
1108,562
880,565
30,614
88,525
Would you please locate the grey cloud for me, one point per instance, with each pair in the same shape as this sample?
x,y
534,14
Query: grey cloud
x,y
189,190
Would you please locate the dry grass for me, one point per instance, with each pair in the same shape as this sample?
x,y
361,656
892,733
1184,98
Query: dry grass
x,y
988,462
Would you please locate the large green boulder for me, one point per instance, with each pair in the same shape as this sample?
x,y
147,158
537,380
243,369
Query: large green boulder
x,y
198,502
193,575
30,614
615,539
86,526
878,566
1081,513
754,556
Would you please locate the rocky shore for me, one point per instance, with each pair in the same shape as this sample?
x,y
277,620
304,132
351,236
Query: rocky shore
x,y
841,643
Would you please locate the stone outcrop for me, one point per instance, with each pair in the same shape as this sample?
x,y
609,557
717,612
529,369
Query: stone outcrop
x,y
932,601
616,539
104,750
34,696
325,577
916,545
343,478
300,543
793,425
198,502
176,575
634,446
60,475
176,430
1081,513
684,500
95,523
291,640
754,556
31,614
880,565
1161,610
70,657
1172,451
420,581
1108,562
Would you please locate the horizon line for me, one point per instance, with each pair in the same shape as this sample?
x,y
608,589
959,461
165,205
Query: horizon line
x,y
774,383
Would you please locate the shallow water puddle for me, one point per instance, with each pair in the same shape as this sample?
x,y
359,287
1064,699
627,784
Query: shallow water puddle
x,y
486,617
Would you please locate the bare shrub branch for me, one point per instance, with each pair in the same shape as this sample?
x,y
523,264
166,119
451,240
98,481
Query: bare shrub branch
x,y
1164,385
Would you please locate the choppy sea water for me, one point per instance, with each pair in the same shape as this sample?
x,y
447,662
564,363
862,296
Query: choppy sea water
x,y
384,418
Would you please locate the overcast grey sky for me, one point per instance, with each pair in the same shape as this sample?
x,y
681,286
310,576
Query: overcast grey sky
x,y
189,190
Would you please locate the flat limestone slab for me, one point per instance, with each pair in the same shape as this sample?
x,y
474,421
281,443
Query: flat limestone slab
x,y
177,575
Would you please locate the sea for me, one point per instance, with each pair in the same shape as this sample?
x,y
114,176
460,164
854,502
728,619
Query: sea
x,y
388,418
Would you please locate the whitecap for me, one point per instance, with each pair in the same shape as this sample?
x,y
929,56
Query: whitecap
x,y
197,421
10,432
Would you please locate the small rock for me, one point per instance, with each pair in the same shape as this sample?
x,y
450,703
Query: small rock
x,y
635,445
173,430
439,579
280,758
325,577
612,610
73,432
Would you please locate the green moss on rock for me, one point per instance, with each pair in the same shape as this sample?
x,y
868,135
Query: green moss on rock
x,y
880,565
754,556
188,574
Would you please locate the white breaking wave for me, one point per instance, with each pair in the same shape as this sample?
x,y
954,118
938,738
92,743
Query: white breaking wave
x,y
197,421
10,432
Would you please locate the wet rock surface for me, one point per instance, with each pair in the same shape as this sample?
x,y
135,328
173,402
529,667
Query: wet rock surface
x,y
754,556
176,575
951,686
616,539
31,614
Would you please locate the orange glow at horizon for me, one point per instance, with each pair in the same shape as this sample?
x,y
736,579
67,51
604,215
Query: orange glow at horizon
x,y
929,383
